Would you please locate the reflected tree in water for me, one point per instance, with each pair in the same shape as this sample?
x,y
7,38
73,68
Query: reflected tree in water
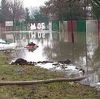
x,y
61,50
96,57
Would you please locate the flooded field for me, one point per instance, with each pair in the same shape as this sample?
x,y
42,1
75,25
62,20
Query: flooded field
x,y
83,53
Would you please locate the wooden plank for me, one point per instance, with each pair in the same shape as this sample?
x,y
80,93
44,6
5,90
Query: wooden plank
x,y
3,83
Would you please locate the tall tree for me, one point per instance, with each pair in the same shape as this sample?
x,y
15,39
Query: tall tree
x,y
12,10
96,8
64,9
96,12
17,8
5,13
27,15
38,16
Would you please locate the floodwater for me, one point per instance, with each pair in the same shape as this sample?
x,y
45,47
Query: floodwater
x,y
84,52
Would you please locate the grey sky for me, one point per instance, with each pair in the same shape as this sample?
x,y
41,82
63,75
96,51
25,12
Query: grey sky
x,y
33,3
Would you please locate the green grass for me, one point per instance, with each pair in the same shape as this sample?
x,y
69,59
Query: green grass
x,y
60,90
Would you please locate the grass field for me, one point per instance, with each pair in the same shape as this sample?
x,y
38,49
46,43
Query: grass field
x,y
60,90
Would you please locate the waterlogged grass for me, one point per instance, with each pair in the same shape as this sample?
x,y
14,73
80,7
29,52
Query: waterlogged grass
x,y
60,90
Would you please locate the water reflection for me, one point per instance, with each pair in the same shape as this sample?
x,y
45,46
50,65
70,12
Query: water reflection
x,y
57,48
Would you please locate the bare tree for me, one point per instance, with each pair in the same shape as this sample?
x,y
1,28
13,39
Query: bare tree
x,y
17,9
12,10
5,10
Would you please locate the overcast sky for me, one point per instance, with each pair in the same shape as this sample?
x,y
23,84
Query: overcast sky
x,y
33,3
